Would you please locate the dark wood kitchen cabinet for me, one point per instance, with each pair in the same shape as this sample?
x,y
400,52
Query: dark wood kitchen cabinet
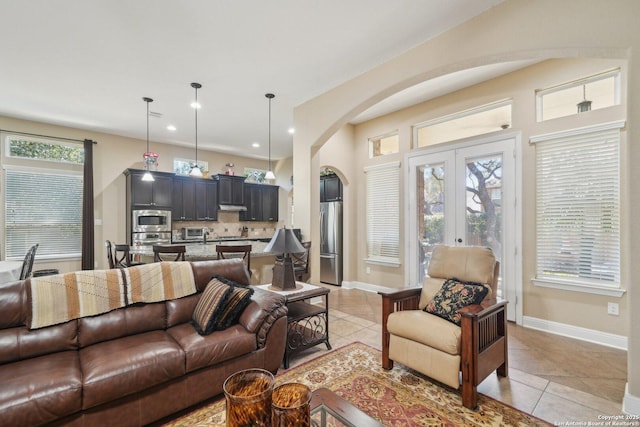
x,y
206,200
330,188
184,199
261,202
230,189
149,194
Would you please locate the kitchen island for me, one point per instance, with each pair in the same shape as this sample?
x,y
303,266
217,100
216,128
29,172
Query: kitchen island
x,y
261,262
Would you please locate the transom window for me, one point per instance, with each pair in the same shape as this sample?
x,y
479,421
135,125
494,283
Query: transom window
x,y
383,145
476,121
591,93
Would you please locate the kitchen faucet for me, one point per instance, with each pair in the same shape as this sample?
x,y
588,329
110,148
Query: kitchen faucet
x,y
204,237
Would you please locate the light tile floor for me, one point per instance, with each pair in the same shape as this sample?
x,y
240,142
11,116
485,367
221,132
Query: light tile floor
x,y
555,378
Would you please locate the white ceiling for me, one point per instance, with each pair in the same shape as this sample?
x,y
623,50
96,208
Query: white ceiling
x,y
88,63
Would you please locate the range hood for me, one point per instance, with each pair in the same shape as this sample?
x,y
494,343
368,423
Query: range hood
x,y
232,208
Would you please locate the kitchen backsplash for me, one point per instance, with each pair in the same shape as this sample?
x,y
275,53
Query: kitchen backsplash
x,y
228,225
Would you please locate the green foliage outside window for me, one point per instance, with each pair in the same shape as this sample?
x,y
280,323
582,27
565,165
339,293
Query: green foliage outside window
x,y
37,150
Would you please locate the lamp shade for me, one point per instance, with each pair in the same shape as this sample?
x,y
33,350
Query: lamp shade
x,y
285,242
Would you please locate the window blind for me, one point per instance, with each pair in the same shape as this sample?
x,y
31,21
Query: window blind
x,y
383,213
43,207
578,208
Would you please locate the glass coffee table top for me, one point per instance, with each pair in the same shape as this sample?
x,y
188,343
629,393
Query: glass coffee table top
x,y
329,409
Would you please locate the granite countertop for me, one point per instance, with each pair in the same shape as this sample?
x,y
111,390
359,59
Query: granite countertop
x,y
208,251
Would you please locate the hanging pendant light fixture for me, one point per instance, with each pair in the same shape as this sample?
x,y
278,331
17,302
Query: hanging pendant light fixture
x,y
270,174
148,154
195,170
585,105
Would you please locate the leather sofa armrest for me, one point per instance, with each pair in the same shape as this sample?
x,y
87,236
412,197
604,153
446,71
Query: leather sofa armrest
x,y
265,308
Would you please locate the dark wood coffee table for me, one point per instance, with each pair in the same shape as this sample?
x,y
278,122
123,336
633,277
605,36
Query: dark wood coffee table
x,y
327,408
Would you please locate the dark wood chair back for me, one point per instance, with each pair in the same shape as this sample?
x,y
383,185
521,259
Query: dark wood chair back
x,y
178,252
123,257
300,262
109,248
245,250
27,264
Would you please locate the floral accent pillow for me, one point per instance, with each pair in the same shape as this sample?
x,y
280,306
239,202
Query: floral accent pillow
x,y
452,296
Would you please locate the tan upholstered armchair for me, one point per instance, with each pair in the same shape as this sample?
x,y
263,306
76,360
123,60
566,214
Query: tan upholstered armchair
x,y
437,347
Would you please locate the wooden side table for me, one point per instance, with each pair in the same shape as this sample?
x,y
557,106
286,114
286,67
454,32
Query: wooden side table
x,y
307,324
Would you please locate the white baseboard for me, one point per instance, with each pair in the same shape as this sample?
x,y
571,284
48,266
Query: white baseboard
x,y
630,403
365,286
577,332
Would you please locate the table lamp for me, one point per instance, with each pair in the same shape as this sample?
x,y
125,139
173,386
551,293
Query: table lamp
x,y
285,242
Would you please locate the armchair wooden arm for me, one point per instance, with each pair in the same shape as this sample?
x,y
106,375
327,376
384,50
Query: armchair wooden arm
x,y
483,345
405,299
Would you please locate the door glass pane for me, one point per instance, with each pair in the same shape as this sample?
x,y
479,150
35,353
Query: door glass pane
x,y
430,212
483,218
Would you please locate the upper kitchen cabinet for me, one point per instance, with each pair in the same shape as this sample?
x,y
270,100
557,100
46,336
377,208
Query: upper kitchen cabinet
x,y
184,198
156,194
330,188
206,200
230,189
261,201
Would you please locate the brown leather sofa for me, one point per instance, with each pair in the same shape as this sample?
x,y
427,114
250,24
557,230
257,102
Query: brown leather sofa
x,y
133,365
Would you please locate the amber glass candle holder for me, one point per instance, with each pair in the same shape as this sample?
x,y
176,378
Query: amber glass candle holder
x,y
291,406
248,396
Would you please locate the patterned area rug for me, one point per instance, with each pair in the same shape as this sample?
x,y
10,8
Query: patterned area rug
x,y
399,397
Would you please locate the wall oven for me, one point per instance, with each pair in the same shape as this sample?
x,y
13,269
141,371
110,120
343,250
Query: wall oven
x,y
151,227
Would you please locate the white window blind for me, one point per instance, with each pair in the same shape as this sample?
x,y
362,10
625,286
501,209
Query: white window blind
x,y
578,208
43,207
383,213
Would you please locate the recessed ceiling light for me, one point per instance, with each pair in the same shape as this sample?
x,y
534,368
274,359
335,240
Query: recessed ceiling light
x,y
196,105
292,131
171,127
256,145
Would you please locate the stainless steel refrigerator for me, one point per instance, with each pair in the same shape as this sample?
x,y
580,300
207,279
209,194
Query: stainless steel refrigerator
x,y
331,243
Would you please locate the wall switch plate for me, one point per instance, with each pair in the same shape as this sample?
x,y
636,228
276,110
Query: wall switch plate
x,y
613,308
368,269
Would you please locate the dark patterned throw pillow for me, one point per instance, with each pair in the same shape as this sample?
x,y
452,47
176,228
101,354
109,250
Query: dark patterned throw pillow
x,y
452,296
220,306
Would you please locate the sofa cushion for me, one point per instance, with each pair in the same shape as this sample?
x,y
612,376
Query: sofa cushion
x,y
427,329
208,350
117,368
452,296
40,390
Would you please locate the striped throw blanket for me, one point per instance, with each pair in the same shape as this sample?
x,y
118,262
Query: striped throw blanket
x,y
159,281
63,297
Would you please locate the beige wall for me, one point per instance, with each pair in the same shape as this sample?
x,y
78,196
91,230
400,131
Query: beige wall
x,y
112,155
513,30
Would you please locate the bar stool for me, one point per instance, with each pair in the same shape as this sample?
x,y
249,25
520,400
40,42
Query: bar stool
x,y
123,257
245,250
177,250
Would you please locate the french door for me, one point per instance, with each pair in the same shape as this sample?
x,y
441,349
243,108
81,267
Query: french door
x,y
465,196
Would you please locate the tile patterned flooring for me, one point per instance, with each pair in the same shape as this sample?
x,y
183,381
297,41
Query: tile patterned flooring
x,y
555,378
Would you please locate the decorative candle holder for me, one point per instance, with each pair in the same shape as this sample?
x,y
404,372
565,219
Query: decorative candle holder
x,y
248,395
291,406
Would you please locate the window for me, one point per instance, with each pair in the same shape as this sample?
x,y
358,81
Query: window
x,y
383,145
35,149
383,214
45,207
578,208
184,166
477,121
591,93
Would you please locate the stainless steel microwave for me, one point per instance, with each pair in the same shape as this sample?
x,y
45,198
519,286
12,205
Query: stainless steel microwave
x,y
151,220
193,233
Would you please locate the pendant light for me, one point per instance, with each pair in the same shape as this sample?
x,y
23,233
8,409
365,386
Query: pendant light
x,y
147,175
270,174
195,170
